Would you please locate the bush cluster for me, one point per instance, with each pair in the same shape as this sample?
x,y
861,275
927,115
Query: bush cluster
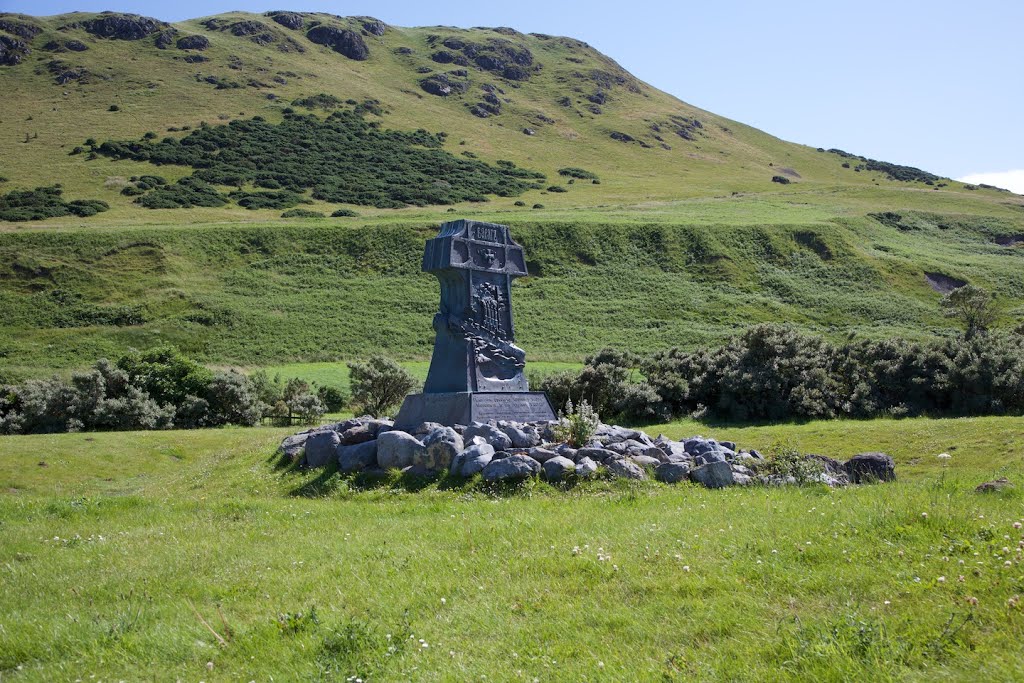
x,y
45,202
342,159
157,389
774,372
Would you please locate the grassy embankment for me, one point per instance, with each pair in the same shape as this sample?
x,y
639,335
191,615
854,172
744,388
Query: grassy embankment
x,y
110,539
255,296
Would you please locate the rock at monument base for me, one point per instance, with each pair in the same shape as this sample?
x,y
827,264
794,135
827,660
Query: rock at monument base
x,y
440,447
472,460
672,472
522,437
542,455
597,454
713,475
586,468
558,467
357,457
466,408
511,468
321,447
645,461
867,467
293,445
625,469
396,450
490,434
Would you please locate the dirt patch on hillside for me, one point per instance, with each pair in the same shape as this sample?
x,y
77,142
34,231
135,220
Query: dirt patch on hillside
x,y
1009,240
944,284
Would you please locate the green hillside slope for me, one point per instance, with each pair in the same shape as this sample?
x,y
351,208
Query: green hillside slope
x,y
687,235
581,109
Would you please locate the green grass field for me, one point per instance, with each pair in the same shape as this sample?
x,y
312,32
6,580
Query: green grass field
x,y
110,540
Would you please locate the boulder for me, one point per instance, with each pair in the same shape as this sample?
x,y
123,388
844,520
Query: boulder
x,y
514,467
292,445
870,467
713,475
645,460
994,485
424,428
585,468
397,450
742,479
558,468
709,457
672,472
728,445
615,434
648,452
626,469
321,447
357,457
522,437
596,454
358,434
440,447
542,455
489,433
472,460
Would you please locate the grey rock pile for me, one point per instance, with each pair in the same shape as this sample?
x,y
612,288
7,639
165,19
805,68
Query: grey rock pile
x,y
510,451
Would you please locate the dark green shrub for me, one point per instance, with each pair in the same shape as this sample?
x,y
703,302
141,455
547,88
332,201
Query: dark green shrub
x,y
780,179
344,213
557,188
333,398
379,385
45,202
574,172
301,213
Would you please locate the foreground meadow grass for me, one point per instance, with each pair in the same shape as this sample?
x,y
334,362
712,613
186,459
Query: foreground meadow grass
x,y
116,548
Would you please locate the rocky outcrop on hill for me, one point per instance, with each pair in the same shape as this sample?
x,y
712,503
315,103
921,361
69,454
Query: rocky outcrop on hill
x,y
341,40
196,42
512,451
12,51
292,20
115,26
496,55
21,29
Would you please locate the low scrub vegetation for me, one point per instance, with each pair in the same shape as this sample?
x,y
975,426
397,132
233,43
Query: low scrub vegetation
x,y
158,389
774,372
45,202
352,161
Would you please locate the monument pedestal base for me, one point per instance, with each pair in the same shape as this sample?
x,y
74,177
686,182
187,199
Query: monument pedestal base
x,y
465,408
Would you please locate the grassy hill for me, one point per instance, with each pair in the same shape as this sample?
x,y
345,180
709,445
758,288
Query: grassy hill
x,y
685,238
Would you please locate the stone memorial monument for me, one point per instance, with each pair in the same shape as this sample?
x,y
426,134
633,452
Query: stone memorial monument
x,y
477,372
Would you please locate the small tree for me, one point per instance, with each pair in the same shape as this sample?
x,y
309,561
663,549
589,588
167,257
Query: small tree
x,y
973,306
378,385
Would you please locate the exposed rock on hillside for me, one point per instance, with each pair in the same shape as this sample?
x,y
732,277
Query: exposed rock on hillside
x,y
292,20
12,50
373,26
65,46
22,29
443,86
496,55
121,26
342,41
193,43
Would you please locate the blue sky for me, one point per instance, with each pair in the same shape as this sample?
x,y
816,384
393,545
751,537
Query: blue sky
x,y
937,84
